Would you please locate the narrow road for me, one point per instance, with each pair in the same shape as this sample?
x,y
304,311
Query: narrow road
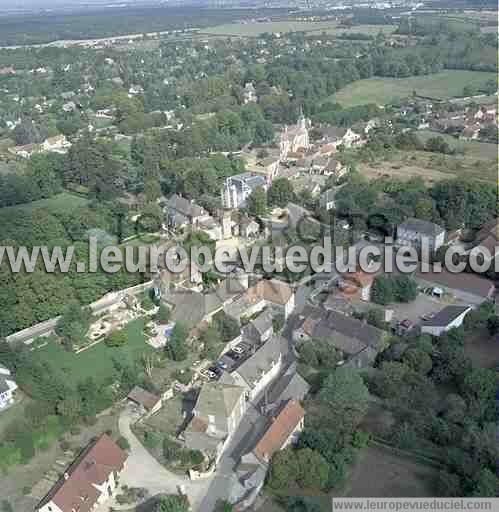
x,y
143,470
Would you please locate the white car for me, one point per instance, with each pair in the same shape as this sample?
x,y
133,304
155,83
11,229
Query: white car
x,y
238,350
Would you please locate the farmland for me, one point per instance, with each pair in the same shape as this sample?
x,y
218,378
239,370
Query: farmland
x,y
481,150
329,27
97,361
432,167
382,91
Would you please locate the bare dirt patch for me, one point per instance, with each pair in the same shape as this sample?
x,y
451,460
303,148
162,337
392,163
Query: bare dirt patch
x,y
402,172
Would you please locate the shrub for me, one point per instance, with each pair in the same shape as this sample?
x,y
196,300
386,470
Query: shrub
x,y
171,450
116,339
123,443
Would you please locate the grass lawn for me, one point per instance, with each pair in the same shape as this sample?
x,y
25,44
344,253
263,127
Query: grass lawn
x,y
62,202
380,472
96,362
382,91
472,148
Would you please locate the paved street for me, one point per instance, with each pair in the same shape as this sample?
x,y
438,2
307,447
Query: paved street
x,y
143,470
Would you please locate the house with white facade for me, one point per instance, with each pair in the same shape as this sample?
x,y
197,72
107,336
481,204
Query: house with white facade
x,y
219,408
7,387
259,370
90,481
446,319
412,232
57,144
236,189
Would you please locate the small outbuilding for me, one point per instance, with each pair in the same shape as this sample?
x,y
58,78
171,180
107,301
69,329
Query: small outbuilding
x,y
148,402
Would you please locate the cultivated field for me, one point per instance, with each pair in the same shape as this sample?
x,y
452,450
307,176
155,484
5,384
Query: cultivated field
x,y
382,91
256,29
482,150
432,167
378,472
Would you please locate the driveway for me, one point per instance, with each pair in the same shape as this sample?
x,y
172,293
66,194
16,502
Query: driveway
x,y
143,470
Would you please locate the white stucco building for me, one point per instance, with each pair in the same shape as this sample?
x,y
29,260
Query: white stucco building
x,y
7,388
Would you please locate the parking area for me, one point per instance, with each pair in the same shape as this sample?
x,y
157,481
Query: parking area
x,y
414,311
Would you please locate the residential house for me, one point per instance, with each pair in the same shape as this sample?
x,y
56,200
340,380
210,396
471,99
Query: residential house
x,y
181,212
282,431
249,93
333,137
326,199
248,227
412,231
146,401
135,90
7,387
219,408
466,287
24,151
268,167
237,189
357,342
295,138
334,168
261,327
279,296
488,239
90,481
361,281
70,106
446,319
261,368
58,144
470,132
484,110
9,70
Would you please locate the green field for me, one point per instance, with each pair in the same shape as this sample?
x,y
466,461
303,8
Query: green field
x,y
256,29
96,362
482,150
59,203
382,91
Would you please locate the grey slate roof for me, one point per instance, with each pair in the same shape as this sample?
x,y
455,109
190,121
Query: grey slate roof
x,y
348,334
218,399
263,322
422,226
181,206
290,386
261,361
446,316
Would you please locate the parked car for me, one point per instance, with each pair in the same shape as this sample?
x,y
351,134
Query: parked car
x,y
238,350
427,316
222,365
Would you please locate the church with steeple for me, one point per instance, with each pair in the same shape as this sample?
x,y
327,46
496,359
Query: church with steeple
x,y
295,138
